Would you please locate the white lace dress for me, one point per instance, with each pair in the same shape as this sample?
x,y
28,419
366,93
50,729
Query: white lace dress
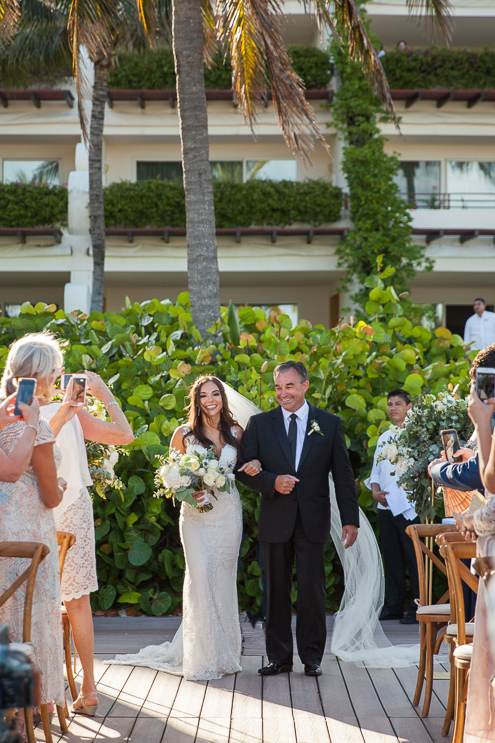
x,y
25,518
207,645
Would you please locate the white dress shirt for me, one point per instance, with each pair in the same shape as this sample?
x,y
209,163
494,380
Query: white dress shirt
x,y
302,423
481,330
383,474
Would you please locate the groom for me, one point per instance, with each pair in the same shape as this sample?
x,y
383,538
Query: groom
x,y
298,447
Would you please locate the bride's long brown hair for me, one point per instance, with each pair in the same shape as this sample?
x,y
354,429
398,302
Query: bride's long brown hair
x,y
197,416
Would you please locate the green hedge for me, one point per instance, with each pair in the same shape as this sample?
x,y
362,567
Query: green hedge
x,y
155,203
156,70
150,353
437,67
32,205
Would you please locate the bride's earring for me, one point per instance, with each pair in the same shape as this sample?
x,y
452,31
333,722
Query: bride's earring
x,y
198,411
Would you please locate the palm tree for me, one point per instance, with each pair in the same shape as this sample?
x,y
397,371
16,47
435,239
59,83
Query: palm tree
x,y
250,32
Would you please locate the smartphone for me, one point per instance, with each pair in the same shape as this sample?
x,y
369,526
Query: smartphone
x,y
450,441
485,382
25,393
78,389
64,381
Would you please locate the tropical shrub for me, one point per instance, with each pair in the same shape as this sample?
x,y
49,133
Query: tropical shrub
x,y
32,205
156,203
437,67
151,352
156,70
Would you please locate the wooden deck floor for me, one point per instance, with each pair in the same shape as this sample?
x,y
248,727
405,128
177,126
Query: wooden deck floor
x,y
345,705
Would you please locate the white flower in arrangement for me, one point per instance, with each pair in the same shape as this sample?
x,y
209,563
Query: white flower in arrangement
x,y
209,479
164,470
114,456
315,428
106,465
201,472
185,481
172,478
213,465
391,451
231,476
193,464
220,481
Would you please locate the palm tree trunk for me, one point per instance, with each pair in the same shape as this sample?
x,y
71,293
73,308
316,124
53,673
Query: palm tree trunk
x,y
96,208
202,260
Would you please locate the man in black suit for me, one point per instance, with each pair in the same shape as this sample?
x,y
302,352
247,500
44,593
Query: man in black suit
x,y
298,447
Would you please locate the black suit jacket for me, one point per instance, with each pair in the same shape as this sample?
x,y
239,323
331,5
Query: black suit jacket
x,y
265,438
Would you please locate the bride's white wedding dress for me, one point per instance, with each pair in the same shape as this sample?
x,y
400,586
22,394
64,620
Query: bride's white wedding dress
x,y
207,645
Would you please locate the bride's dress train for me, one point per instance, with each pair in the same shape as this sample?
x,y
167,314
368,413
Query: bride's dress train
x,y
207,645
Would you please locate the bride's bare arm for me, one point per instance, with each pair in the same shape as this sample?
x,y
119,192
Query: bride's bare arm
x,y
177,440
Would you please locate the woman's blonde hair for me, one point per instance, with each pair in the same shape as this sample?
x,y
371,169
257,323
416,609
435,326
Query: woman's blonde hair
x,y
35,355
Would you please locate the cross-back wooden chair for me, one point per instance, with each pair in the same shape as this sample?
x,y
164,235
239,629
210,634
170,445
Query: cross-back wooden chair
x,y
65,541
453,554
485,567
453,636
433,618
36,552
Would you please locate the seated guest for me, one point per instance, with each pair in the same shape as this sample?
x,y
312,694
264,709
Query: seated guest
x,y
395,514
26,502
480,525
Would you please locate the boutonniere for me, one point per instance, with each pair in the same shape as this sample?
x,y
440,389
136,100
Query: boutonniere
x,y
315,428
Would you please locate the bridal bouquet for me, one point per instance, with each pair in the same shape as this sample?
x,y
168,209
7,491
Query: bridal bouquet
x,y
418,443
101,461
181,475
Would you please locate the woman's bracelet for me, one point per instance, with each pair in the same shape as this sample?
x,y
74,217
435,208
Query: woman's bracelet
x,y
30,425
112,403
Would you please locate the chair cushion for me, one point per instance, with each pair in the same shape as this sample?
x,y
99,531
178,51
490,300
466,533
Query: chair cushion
x,y
452,629
464,652
434,609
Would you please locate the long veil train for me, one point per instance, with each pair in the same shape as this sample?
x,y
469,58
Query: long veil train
x,y
357,634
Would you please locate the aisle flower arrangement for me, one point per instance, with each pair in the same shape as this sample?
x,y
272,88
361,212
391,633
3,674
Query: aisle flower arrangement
x,y
418,443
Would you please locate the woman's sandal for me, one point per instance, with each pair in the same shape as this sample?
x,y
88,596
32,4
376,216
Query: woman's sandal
x,y
86,709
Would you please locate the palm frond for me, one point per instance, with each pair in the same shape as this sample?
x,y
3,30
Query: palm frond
x,y
147,14
252,31
353,33
9,16
209,33
436,14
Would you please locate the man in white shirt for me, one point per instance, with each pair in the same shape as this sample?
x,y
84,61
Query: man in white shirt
x,y
480,327
395,514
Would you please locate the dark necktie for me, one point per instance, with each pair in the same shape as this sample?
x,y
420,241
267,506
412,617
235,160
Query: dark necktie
x,y
293,437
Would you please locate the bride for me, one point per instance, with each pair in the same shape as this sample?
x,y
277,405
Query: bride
x,y
207,645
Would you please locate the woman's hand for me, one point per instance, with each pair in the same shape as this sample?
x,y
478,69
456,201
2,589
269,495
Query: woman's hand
x,y
97,388
6,411
464,526
201,497
251,468
480,411
31,413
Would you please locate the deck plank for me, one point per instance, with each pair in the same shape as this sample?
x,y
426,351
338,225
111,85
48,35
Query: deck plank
x,y
181,730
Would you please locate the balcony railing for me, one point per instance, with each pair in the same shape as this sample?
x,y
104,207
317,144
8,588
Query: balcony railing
x,y
437,200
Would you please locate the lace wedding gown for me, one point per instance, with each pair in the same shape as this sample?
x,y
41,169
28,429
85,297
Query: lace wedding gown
x,y
207,645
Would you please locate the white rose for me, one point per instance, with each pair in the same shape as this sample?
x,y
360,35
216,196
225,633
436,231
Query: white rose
x,y
193,465
113,458
185,481
209,479
184,459
164,470
231,476
213,465
220,481
391,451
201,472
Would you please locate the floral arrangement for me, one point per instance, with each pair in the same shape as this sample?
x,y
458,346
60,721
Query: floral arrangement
x,y
418,442
102,459
181,475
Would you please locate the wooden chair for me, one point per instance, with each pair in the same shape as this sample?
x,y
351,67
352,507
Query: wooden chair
x,y
65,541
485,567
433,618
454,553
36,552
454,637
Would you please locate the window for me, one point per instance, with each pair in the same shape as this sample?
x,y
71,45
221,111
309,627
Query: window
x,y
221,170
271,170
471,184
31,171
419,182
274,310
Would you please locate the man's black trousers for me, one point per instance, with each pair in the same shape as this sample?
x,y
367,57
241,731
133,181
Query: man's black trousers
x,y
398,551
311,616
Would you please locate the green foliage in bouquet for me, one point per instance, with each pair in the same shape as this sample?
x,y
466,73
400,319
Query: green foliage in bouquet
x,y
418,443
150,353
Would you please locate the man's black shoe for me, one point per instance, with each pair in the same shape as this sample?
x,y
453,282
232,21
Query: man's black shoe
x,y
387,614
312,669
409,619
272,669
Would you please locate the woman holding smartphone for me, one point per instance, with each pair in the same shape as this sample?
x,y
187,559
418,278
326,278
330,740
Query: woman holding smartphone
x,y
71,424
29,493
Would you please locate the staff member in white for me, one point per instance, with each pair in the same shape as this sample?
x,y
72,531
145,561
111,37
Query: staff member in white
x,y
395,514
480,327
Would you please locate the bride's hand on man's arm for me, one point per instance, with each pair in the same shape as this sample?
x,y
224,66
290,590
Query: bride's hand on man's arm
x,y
251,468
